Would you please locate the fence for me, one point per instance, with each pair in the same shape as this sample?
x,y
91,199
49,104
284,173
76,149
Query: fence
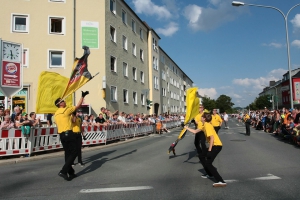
x,y
13,142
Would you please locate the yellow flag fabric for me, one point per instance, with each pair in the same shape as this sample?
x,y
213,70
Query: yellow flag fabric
x,y
79,76
192,104
51,85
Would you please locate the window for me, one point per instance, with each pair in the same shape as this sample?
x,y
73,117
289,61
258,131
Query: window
x,y
112,6
56,25
113,64
142,77
143,99
133,26
141,54
125,96
112,34
134,98
125,69
154,43
113,93
134,73
56,59
25,61
124,17
20,23
133,49
124,42
155,63
141,34
155,82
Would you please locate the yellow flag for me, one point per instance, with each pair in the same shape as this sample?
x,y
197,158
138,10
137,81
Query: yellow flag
x,y
192,104
51,85
80,74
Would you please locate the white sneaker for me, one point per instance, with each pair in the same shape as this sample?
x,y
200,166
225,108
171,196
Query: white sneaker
x,y
219,184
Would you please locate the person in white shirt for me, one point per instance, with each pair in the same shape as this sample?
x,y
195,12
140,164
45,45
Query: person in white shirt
x,y
225,118
122,118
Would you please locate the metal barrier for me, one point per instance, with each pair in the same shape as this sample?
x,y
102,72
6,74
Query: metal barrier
x,y
13,142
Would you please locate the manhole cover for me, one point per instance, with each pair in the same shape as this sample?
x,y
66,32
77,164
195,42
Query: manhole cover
x,y
237,140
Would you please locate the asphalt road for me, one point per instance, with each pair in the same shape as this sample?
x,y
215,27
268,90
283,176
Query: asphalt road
x,y
255,167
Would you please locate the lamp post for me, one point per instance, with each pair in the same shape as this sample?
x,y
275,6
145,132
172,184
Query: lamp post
x,y
238,3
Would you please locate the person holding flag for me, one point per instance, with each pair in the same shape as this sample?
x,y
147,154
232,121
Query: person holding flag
x,y
215,147
67,137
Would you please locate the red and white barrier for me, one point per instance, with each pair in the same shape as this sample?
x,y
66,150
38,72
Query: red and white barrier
x,y
44,139
13,143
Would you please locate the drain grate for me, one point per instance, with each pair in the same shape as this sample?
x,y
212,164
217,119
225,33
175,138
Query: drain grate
x,y
237,140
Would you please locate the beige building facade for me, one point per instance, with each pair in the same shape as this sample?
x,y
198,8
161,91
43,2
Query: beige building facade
x,y
124,50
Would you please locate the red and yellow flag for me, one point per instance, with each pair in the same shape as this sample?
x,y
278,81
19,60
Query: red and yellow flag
x,y
80,74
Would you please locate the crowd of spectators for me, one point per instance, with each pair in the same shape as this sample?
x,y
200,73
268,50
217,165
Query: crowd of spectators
x,y
18,119
284,122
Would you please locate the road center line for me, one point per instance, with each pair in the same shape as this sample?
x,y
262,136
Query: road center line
x,y
117,189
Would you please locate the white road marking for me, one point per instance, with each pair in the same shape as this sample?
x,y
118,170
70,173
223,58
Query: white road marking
x,y
268,177
230,181
117,189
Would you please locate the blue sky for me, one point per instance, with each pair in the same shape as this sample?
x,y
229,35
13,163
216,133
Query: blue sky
x,y
224,49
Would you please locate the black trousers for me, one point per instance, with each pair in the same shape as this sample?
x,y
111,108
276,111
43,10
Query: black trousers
x,y
247,128
68,140
210,169
79,146
217,128
200,140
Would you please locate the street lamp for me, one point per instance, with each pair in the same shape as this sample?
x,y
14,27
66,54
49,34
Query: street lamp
x,y
238,3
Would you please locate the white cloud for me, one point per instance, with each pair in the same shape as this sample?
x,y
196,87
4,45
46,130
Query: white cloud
x,y
261,82
236,96
201,18
273,44
169,29
296,43
296,21
147,7
209,92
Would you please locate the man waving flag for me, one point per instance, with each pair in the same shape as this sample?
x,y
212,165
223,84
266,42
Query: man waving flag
x,y
192,104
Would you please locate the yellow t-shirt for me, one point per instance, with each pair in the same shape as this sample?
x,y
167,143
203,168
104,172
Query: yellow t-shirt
x,y
246,117
210,131
63,119
77,125
216,120
198,121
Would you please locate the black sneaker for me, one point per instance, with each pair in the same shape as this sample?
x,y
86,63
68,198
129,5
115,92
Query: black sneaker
x,y
71,176
206,176
81,164
64,176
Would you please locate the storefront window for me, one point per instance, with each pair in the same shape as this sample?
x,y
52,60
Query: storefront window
x,y
20,99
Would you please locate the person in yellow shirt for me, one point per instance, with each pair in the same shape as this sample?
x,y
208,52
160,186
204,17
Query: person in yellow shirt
x,y
76,123
65,130
216,120
247,121
215,147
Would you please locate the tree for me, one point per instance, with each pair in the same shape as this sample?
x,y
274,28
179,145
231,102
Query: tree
x,y
262,101
224,103
208,103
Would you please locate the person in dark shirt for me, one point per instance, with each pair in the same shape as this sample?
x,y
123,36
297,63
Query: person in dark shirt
x,y
49,119
100,120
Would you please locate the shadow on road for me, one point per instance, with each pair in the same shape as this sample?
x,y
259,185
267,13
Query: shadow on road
x,y
96,163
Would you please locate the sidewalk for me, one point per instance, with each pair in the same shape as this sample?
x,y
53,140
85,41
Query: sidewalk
x,y
51,154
